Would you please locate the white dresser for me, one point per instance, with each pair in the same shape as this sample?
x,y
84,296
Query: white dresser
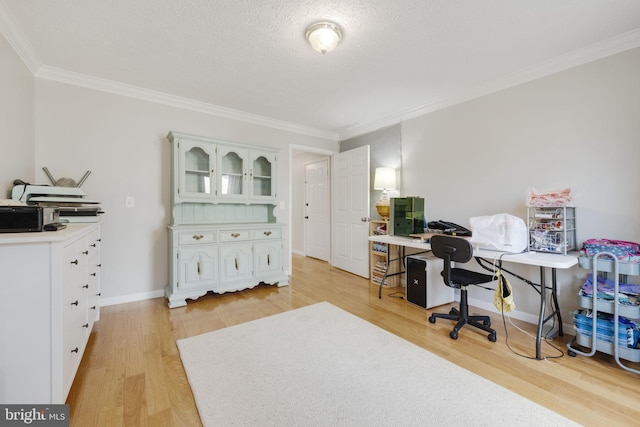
x,y
49,301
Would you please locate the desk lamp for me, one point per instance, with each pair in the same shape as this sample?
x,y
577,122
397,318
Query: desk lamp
x,y
385,180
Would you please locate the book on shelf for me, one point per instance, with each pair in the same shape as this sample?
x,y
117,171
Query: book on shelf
x,y
379,247
380,230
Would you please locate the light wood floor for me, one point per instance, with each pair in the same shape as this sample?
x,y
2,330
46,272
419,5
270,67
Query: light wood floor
x,y
131,373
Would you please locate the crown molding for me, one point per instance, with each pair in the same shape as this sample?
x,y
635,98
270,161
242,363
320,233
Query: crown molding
x,y
18,40
83,80
620,43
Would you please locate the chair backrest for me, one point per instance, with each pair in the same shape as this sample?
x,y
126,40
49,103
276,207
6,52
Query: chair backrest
x,y
450,249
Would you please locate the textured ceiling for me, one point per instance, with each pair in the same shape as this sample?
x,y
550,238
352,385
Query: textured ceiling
x,y
250,57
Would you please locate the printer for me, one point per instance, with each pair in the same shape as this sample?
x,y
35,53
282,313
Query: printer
x,y
72,203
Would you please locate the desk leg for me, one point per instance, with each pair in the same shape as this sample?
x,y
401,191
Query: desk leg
x,y
543,302
386,271
554,295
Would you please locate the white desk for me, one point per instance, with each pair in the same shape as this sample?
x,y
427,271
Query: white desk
x,y
539,259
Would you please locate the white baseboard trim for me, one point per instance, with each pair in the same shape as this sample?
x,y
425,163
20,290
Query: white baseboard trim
x,y
520,315
131,298
298,252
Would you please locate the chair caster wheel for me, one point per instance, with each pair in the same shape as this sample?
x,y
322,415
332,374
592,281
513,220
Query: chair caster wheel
x,y
453,335
571,353
492,337
432,319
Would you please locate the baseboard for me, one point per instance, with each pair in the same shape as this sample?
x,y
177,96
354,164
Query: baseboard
x,y
131,298
520,315
298,252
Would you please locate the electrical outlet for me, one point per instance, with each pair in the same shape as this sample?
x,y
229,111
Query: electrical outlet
x,y
129,202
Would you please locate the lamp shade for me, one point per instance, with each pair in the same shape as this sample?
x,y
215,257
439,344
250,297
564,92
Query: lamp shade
x,y
385,179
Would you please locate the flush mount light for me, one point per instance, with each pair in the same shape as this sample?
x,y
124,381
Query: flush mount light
x,y
323,36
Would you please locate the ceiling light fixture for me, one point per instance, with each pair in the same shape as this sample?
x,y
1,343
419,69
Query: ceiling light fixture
x,y
323,36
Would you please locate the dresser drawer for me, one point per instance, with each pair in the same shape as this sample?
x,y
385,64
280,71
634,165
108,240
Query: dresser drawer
x,y
75,258
195,237
267,233
235,235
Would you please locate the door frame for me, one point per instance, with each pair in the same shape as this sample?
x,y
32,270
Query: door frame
x,y
295,148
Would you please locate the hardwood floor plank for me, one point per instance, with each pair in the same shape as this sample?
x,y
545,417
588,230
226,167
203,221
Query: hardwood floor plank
x,y
135,402
131,373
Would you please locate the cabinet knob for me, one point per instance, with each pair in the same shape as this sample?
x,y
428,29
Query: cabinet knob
x,y
86,325
93,307
75,350
267,233
74,262
85,287
235,235
93,245
198,236
75,303
85,252
93,274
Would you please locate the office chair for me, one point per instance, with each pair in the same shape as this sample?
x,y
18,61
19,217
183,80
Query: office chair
x,y
455,249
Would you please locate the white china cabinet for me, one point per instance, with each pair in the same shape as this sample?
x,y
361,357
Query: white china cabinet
x,y
223,236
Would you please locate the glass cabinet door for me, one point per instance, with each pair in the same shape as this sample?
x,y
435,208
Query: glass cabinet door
x,y
262,177
197,173
232,171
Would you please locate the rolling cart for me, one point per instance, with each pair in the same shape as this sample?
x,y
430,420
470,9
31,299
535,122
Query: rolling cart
x,y
604,266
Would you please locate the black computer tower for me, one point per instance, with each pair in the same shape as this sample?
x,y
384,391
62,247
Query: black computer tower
x,y
425,287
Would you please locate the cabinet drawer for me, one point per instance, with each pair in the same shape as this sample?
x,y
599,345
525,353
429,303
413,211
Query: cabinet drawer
x,y
195,237
267,233
234,235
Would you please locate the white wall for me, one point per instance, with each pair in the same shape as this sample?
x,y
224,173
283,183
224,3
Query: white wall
x,y
16,119
123,142
578,128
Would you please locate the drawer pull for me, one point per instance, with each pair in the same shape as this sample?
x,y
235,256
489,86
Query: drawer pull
x,y
198,267
93,245
235,235
74,262
99,265
268,259
86,325
236,260
267,233
198,236
75,350
93,307
93,274
75,303
85,287
85,252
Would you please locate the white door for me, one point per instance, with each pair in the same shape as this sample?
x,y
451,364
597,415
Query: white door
x,y
317,225
350,210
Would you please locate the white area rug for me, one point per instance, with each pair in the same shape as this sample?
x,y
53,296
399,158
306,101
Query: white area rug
x,y
322,366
